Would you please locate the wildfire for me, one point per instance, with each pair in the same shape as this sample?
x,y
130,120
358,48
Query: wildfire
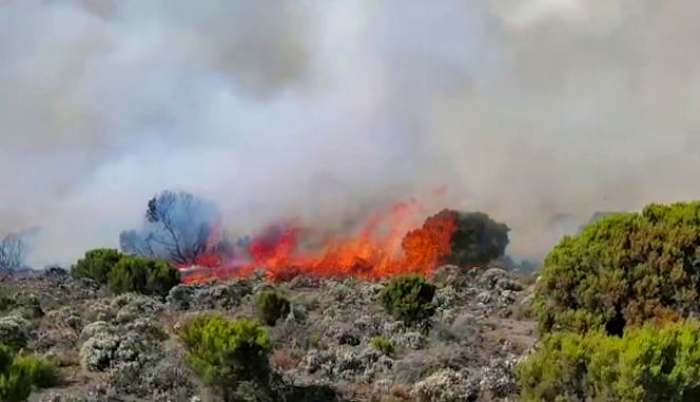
x,y
389,243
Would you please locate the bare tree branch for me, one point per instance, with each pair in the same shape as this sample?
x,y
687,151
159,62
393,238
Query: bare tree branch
x,y
177,227
12,253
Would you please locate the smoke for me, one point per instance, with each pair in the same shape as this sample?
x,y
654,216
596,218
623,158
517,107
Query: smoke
x,y
538,112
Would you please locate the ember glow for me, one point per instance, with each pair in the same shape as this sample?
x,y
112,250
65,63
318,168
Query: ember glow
x,y
396,241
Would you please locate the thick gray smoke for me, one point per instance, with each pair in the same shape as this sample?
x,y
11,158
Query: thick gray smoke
x,y
539,112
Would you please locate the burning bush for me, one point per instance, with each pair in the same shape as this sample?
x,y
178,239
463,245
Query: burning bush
x,y
270,306
97,264
143,275
623,270
409,298
387,243
20,374
226,352
460,238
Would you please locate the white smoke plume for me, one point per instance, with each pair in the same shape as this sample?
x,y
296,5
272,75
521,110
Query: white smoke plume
x,y
539,112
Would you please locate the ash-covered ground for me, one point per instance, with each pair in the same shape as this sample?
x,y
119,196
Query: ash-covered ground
x,y
125,348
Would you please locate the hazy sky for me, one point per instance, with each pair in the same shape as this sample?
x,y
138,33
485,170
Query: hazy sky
x,y
539,112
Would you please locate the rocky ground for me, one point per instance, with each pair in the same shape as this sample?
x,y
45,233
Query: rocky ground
x,y
123,348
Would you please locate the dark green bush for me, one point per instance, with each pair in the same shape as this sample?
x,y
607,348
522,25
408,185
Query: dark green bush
x,y
143,275
478,239
226,352
383,345
270,306
409,298
19,375
97,264
646,364
622,270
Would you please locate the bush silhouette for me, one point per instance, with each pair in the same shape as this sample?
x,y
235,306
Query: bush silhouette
x,y
409,298
226,352
622,270
270,306
646,364
478,239
143,275
97,264
19,375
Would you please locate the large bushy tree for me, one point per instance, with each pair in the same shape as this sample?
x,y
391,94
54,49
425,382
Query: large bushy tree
x,y
623,270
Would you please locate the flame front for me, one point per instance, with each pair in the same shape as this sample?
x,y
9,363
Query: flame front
x,y
389,243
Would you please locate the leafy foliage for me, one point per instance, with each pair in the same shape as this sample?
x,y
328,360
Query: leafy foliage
x,y
270,306
409,298
20,374
646,364
97,264
622,270
383,344
143,275
225,352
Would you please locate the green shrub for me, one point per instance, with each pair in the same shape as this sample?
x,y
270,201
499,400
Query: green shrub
x,y
19,375
409,298
143,275
97,264
622,270
270,306
383,345
646,364
226,352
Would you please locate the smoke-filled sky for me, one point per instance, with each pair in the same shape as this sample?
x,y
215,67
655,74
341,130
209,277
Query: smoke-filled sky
x,y
539,112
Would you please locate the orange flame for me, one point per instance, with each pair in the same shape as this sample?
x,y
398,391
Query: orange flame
x,y
389,243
